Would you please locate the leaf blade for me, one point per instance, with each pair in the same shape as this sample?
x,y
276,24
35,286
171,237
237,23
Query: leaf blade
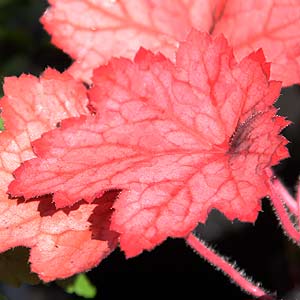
x,y
173,164
57,238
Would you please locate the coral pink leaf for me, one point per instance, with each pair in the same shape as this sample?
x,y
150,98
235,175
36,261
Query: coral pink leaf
x,y
92,32
178,139
272,25
62,242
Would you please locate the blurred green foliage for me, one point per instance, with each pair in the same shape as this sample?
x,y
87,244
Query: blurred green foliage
x,y
1,124
79,285
24,45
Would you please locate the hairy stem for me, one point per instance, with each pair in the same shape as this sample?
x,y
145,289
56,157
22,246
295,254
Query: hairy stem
x,y
214,258
282,214
286,197
298,203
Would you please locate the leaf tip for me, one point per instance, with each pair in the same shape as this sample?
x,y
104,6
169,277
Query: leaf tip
x,y
260,57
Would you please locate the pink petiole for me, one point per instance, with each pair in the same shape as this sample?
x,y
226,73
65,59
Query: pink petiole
x,y
215,259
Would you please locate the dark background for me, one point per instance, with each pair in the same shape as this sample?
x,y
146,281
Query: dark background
x,y
171,269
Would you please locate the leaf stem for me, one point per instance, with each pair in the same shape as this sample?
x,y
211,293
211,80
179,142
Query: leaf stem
x,y
214,258
286,197
298,203
282,214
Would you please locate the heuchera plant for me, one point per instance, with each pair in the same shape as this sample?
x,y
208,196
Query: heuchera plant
x,y
154,140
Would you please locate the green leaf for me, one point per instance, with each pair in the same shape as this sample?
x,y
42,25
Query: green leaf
x,y
81,286
1,129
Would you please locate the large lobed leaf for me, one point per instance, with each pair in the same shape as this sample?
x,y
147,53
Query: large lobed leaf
x,y
62,242
178,139
92,32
